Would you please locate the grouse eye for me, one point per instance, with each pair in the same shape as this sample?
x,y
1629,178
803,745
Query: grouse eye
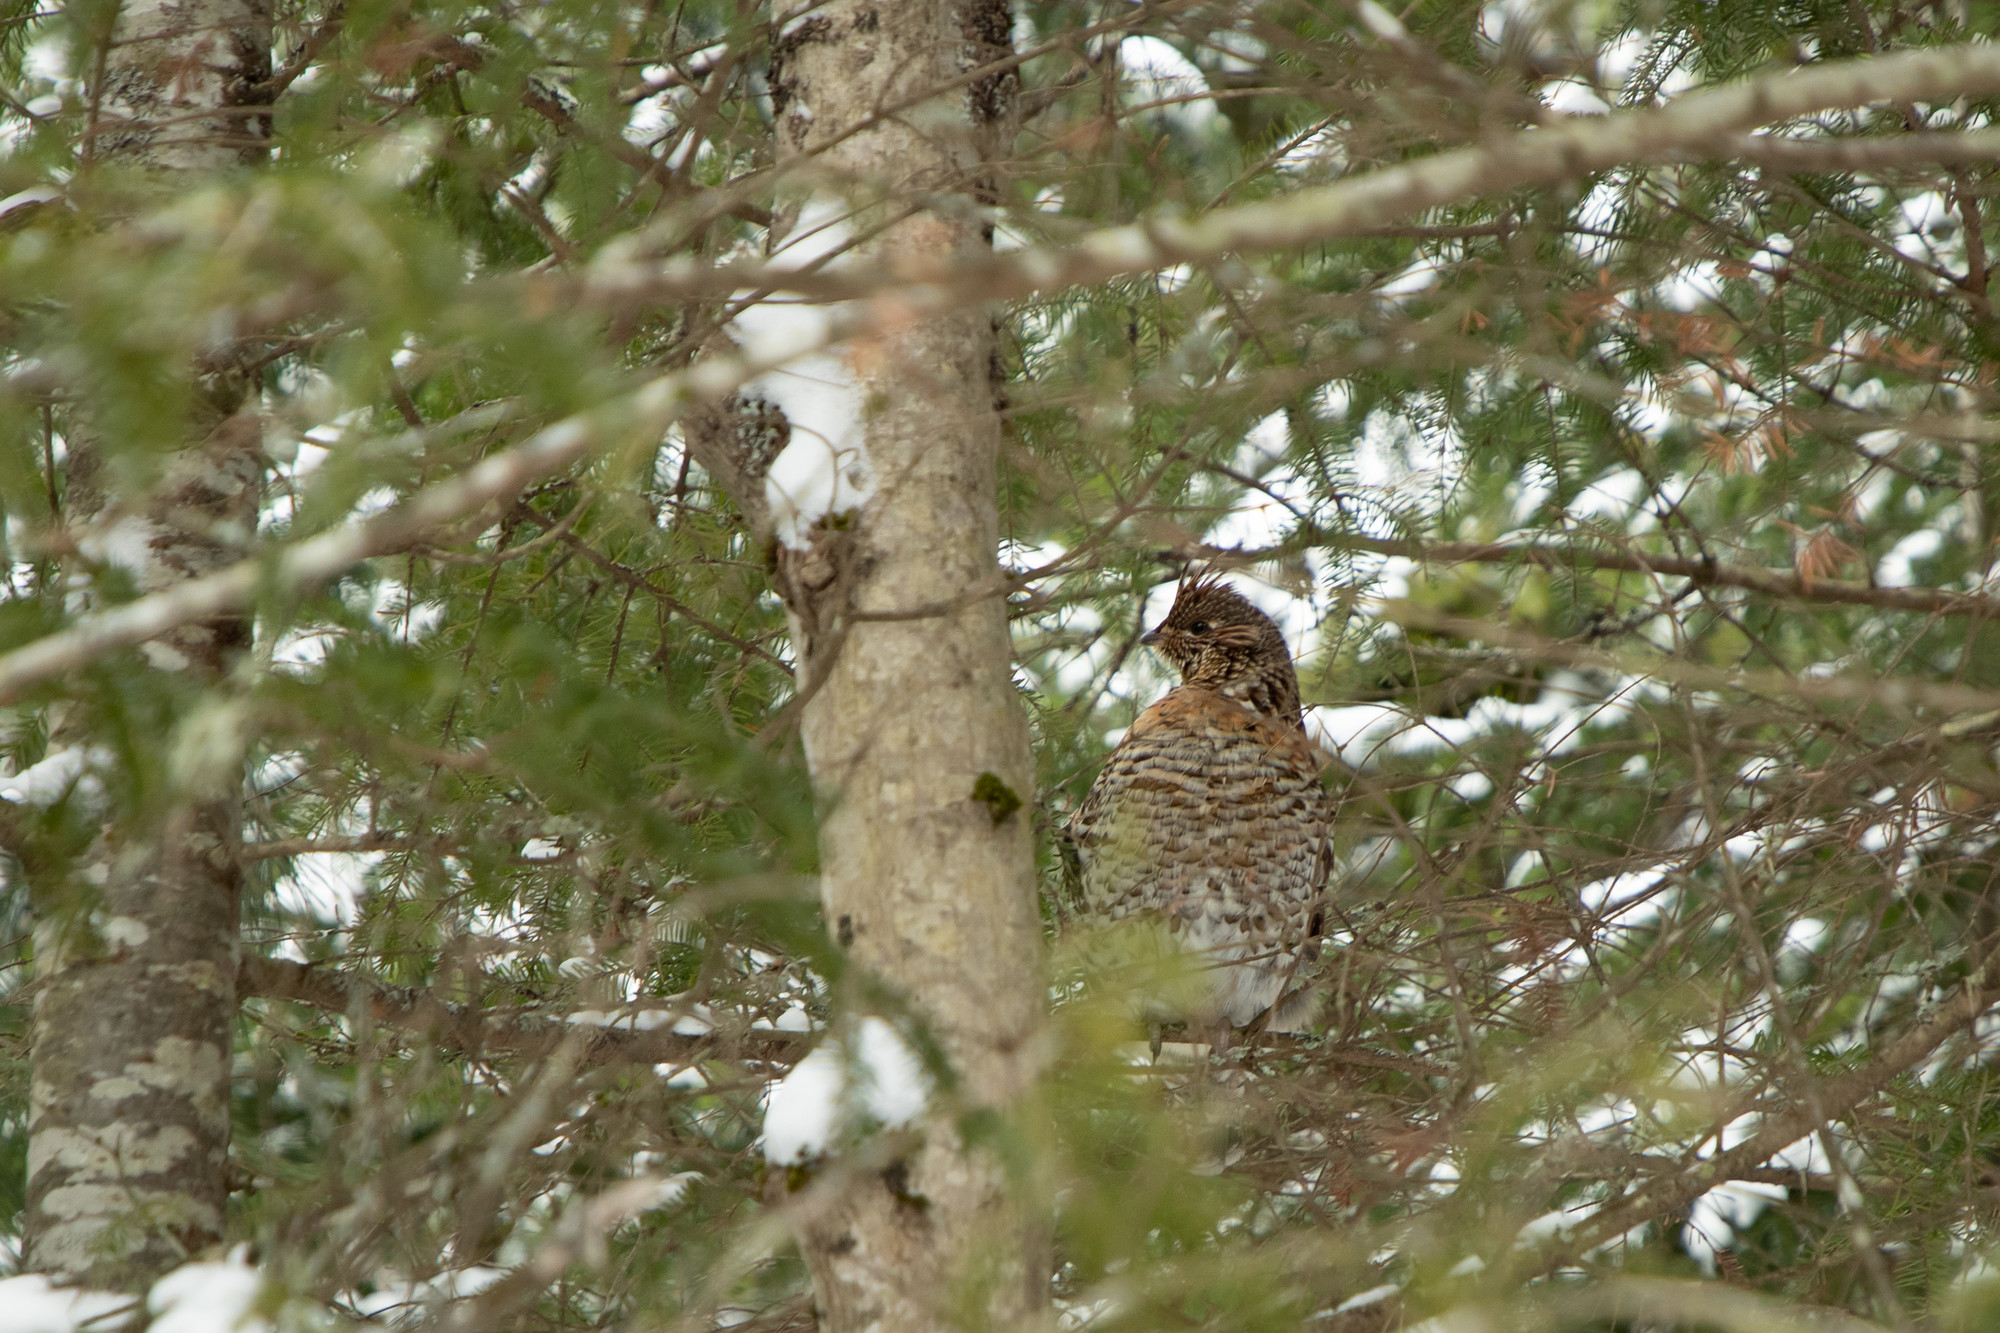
x,y
1199,627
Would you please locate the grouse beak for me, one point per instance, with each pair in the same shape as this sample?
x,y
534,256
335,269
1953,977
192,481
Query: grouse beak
x,y
1150,638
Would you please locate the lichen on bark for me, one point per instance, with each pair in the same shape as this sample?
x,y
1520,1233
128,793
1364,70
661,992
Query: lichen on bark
x,y
904,660
135,940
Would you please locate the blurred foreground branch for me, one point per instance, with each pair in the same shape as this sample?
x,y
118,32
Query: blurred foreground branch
x,y
1699,127
1696,127
469,1031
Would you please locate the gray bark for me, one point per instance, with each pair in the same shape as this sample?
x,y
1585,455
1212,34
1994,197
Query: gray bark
x,y
184,85
136,946
911,726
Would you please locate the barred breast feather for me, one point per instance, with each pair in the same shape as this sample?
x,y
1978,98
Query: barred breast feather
x,y
1209,818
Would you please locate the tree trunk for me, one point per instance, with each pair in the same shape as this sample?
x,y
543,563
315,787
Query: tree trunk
x,y
916,741
136,946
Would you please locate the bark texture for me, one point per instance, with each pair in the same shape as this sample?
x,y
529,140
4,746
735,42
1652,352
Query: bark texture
x,y
911,726
136,946
185,85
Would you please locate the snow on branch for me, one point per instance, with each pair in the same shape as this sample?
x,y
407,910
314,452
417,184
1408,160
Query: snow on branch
x,y
1707,125
635,1035
871,1077
1700,126
297,569
1837,1096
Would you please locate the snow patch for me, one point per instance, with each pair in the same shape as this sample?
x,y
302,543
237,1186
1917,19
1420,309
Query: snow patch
x,y
195,1298
1156,73
1716,1217
125,544
794,1019
843,1086
823,469
29,1304
208,1298
1361,1300
328,886
695,1021
43,784
1898,567
402,1300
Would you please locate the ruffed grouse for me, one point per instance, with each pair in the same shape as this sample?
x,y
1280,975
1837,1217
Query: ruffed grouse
x,y
1209,817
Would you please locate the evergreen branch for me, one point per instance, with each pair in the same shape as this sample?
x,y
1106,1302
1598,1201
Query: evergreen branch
x,y
1790,1120
1702,126
1702,573
1973,708
273,848
297,569
470,1031
1688,1302
1908,151
1696,127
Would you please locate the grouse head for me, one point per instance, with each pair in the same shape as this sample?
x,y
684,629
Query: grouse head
x,y
1217,640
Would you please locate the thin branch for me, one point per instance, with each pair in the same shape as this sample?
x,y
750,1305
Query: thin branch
x,y
493,481
1973,708
1703,573
1701,126
1785,1124
1875,154
272,848
309,50
470,1031
1695,127
1686,1302
556,533
637,582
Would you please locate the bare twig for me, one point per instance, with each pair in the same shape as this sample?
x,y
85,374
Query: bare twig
x,y
1701,126
473,1032
366,842
1785,1124
1695,127
1703,573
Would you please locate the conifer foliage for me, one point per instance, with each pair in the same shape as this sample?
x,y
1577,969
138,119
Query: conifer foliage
x,y
1600,397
